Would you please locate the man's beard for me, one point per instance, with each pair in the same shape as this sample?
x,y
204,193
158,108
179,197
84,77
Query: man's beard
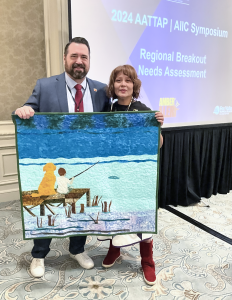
x,y
78,74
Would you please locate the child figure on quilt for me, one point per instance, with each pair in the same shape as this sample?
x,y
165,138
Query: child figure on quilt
x,y
63,182
124,85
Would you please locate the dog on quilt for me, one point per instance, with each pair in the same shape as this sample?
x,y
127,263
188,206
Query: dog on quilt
x,y
47,184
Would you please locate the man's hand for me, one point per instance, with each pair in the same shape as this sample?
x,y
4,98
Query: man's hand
x,y
159,117
25,112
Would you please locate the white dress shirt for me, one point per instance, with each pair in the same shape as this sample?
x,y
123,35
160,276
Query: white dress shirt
x,y
87,100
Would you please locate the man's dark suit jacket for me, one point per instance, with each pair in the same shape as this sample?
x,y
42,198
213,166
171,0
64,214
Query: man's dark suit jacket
x,y
49,95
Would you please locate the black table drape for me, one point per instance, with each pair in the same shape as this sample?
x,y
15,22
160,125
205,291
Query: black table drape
x,y
195,162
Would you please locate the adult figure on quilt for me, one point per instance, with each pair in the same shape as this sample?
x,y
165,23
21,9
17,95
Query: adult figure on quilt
x,y
124,85
70,91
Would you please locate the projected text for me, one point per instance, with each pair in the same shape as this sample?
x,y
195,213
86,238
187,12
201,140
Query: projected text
x,y
159,22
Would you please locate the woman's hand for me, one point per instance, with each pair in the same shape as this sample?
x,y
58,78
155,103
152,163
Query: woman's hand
x,y
159,117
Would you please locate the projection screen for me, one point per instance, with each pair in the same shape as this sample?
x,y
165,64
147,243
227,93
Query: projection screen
x,y
181,50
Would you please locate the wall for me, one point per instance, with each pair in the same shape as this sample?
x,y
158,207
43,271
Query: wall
x,y
8,168
22,55
33,34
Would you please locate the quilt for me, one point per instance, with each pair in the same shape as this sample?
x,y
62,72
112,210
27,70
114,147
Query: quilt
x,y
88,173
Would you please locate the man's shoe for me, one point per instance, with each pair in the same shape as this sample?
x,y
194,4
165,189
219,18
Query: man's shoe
x,y
84,260
37,267
125,240
111,257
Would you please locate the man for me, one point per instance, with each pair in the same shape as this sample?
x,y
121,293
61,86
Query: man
x,y
70,91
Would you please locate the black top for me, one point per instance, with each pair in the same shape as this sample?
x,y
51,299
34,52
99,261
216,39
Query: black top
x,y
135,106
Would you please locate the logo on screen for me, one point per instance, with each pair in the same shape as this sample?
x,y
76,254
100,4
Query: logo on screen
x,y
168,107
222,110
216,110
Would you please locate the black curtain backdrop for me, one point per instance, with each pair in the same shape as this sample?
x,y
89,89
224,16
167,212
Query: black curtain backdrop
x,y
195,162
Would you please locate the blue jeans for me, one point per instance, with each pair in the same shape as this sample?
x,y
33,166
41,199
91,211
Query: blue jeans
x,y
41,246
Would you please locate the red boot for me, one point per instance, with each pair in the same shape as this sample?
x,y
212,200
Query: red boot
x,y
147,262
111,257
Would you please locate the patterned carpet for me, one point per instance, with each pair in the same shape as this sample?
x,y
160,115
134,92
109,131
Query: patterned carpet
x,y
190,263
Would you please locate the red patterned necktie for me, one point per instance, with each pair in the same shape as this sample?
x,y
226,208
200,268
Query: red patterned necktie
x,y
78,99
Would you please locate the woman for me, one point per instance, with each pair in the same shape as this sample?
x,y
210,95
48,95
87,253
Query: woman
x,y
124,86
